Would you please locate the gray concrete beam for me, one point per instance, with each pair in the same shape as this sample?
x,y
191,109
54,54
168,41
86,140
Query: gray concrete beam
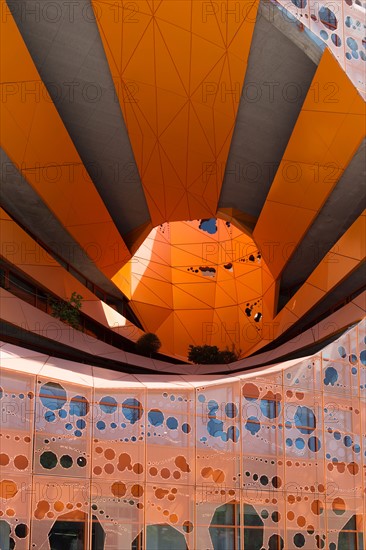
x,y
66,47
343,206
277,80
22,203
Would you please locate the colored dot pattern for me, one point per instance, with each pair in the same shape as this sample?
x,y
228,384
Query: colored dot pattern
x,y
284,439
340,26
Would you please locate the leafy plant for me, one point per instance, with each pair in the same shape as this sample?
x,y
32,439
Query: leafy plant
x,y
148,344
211,355
68,311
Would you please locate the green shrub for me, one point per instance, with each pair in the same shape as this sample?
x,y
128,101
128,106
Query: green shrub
x,y
148,344
211,355
68,311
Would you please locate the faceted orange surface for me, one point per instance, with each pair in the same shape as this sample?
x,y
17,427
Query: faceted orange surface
x,y
179,68
198,282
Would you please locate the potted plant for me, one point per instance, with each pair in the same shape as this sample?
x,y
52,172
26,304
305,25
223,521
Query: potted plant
x,y
148,344
68,311
211,355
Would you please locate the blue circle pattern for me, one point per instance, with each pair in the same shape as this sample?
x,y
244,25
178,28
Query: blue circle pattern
x,y
330,376
108,404
79,406
53,396
155,417
132,410
215,427
172,423
253,425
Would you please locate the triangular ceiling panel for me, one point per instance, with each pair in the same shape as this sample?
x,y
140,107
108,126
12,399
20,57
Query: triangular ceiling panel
x,y
167,72
213,274
155,316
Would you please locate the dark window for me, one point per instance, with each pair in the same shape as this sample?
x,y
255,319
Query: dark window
x,y
225,528
6,541
253,529
43,301
68,533
89,285
22,289
2,278
100,294
98,535
160,537
351,536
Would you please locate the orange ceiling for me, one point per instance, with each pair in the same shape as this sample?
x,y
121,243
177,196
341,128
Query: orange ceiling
x,y
191,286
36,140
327,134
179,69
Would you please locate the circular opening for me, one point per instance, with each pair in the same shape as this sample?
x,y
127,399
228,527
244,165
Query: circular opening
x,y
198,283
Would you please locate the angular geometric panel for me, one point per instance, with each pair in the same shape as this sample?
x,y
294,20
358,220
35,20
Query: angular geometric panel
x,y
208,275
327,133
36,141
179,74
